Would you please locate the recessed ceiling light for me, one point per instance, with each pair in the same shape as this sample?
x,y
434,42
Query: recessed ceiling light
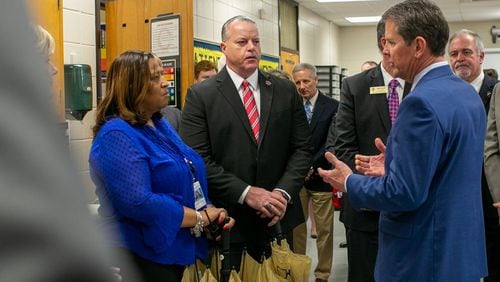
x,y
363,19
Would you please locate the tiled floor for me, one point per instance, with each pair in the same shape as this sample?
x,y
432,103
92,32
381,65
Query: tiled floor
x,y
339,270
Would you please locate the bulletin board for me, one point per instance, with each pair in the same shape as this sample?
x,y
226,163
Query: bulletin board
x,y
166,44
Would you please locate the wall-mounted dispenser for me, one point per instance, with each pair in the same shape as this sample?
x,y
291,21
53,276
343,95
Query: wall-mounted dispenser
x,y
77,90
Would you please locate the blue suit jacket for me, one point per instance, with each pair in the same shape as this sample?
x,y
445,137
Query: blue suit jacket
x,y
431,222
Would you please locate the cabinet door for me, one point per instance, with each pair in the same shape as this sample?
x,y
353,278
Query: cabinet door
x,y
126,27
48,14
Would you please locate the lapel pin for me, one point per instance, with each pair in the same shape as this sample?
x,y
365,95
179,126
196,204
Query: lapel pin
x,y
268,83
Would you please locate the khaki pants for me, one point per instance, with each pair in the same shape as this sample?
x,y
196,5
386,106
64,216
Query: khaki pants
x,y
322,210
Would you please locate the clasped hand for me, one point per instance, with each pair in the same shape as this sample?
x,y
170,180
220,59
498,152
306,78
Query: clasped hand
x,y
218,216
267,204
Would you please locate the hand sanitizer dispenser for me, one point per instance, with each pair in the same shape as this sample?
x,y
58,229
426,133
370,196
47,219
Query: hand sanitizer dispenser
x,y
77,90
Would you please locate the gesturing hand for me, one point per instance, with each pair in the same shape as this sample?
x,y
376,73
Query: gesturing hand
x,y
372,165
336,176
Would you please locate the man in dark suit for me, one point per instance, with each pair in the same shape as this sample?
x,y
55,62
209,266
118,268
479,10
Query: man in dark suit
x,y
427,182
466,51
251,129
363,115
320,112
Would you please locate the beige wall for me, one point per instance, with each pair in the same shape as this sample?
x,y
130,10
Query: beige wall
x,y
210,15
358,44
317,39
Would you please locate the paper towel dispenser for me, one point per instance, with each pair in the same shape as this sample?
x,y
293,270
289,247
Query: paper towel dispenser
x,y
77,90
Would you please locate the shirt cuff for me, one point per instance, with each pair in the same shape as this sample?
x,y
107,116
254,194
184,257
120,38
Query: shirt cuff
x,y
345,182
285,194
241,200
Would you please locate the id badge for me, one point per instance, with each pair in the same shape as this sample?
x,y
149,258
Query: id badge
x,y
199,198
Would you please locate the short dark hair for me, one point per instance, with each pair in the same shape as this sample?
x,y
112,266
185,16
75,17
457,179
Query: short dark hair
x,y
203,65
224,34
491,72
380,34
420,18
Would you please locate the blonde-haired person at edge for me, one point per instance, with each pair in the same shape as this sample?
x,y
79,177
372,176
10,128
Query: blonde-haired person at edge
x,y
148,181
46,46
47,232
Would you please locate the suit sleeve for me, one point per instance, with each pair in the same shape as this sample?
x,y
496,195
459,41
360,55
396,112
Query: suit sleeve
x,y
346,141
300,158
492,148
195,133
416,144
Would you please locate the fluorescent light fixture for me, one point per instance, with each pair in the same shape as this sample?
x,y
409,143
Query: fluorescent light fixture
x,y
339,1
375,19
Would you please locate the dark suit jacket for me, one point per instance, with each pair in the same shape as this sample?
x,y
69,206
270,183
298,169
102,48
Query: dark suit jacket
x,y
323,115
215,124
361,118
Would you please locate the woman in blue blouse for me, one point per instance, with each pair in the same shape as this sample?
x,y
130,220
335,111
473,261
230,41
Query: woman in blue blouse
x,y
151,186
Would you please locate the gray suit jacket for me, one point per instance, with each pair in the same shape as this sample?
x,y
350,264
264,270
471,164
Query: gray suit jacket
x,y
492,146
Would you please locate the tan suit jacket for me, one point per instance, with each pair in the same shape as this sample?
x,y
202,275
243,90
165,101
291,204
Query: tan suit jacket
x,y
492,146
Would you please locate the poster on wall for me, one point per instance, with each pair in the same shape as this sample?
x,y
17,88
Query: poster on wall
x,y
289,59
165,43
204,50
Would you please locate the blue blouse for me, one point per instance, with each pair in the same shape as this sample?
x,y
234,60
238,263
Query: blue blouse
x,y
143,181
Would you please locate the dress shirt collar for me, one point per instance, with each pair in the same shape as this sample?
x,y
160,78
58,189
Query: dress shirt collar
x,y
312,100
388,77
476,83
423,72
237,80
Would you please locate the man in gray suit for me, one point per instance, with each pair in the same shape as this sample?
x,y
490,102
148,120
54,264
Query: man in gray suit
x,y
492,148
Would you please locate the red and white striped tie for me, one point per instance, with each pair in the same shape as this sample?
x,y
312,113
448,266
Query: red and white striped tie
x,y
251,109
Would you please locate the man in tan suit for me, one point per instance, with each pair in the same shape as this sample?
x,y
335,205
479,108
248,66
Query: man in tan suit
x,y
492,148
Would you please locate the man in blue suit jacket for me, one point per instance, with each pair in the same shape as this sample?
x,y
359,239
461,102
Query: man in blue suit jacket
x,y
429,187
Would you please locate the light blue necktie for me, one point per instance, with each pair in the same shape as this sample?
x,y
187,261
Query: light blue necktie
x,y
307,108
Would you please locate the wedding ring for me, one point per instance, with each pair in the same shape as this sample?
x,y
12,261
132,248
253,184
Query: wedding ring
x,y
268,205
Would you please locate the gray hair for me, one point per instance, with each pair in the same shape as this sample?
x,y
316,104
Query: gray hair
x,y
44,41
224,32
305,66
477,40
420,18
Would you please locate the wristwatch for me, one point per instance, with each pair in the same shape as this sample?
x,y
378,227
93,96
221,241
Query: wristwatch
x,y
198,228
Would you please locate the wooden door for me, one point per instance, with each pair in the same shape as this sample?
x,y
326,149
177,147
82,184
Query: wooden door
x,y
128,27
48,14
